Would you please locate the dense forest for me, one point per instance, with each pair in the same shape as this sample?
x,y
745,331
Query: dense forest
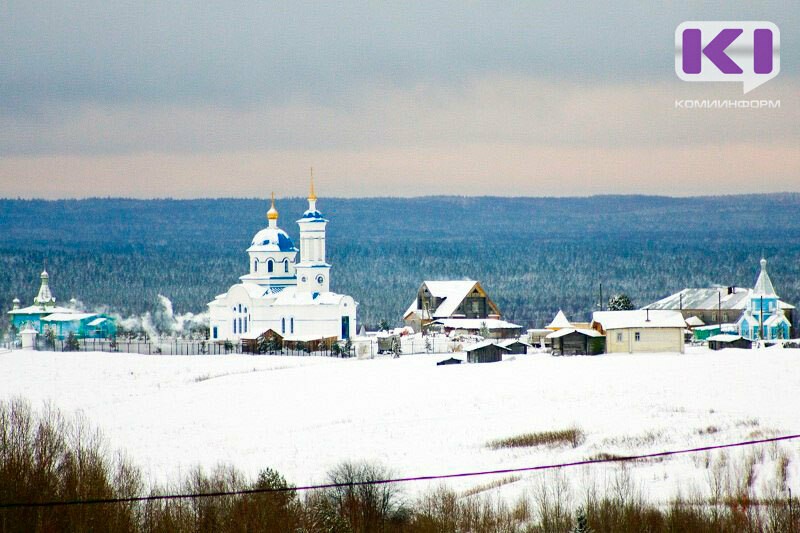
x,y
533,255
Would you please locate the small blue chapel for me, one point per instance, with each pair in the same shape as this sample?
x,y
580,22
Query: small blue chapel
x,y
763,319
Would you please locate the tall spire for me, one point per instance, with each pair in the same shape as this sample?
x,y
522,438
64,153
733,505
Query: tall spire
x,y
763,283
272,214
45,297
312,196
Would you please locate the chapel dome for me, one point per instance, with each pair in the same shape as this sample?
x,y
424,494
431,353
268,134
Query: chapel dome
x,y
273,240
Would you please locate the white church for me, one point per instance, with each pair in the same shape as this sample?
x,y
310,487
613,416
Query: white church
x,y
291,298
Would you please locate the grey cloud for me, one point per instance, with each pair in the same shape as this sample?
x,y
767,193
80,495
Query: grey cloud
x,y
234,53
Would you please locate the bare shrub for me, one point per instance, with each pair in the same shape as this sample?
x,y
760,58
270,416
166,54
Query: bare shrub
x,y
571,436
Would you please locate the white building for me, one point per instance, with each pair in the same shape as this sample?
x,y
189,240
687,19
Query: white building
x,y
641,330
290,297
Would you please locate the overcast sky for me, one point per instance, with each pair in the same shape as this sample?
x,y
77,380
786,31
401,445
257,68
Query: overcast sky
x,y
206,99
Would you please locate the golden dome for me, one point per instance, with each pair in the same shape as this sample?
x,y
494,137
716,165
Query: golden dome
x,y
272,214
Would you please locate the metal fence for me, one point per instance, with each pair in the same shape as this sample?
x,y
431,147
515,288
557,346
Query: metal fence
x,y
177,347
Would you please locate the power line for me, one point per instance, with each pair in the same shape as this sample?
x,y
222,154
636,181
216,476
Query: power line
x,y
246,492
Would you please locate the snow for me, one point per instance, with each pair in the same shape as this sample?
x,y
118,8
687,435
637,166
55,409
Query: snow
x,y
639,318
567,331
452,292
560,321
304,415
476,323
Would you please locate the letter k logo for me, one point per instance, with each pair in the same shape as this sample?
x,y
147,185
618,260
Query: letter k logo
x,y
714,51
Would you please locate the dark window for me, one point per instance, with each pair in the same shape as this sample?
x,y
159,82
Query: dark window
x,y
269,266
234,326
638,336
214,333
283,325
255,265
291,325
286,265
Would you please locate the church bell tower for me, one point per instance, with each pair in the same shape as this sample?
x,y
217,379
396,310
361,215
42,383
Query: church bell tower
x,y
313,272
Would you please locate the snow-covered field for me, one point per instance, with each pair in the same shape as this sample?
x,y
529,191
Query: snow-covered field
x,y
304,415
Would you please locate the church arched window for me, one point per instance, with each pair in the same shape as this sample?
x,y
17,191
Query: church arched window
x,y
269,266
283,326
234,326
286,265
255,265
240,326
291,325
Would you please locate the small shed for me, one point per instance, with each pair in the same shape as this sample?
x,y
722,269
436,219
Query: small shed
x,y
485,352
516,346
451,361
573,341
721,341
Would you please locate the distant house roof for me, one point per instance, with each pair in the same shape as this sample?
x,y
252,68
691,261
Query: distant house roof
x,y
97,321
724,337
638,319
40,310
484,344
560,321
695,322
67,317
711,299
450,361
566,331
451,292
476,323
509,342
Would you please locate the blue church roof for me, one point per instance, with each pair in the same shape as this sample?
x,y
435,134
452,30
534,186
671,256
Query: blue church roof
x,y
274,239
315,215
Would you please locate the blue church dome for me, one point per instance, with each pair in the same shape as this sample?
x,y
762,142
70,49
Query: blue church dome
x,y
274,240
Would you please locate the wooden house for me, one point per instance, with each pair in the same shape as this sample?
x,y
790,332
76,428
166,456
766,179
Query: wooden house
x,y
449,299
574,341
721,341
516,346
641,331
485,352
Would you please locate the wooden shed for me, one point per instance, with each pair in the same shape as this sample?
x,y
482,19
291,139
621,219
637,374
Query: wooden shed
x,y
719,342
451,361
515,346
572,341
485,352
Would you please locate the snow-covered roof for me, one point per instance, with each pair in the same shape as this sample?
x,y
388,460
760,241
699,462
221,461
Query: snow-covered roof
x,y
710,299
508,342
39,310
639,318
775,319
566,331
452,292
67,317
695,322
724,337
97,321
476,323
763,283
291,296
483,344
272,240
560,321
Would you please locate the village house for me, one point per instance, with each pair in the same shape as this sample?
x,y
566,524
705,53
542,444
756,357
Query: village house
x,y
460,307
485,352
641,331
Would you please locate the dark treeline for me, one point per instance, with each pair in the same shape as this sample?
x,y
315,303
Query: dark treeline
x,y
533,255
46,457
